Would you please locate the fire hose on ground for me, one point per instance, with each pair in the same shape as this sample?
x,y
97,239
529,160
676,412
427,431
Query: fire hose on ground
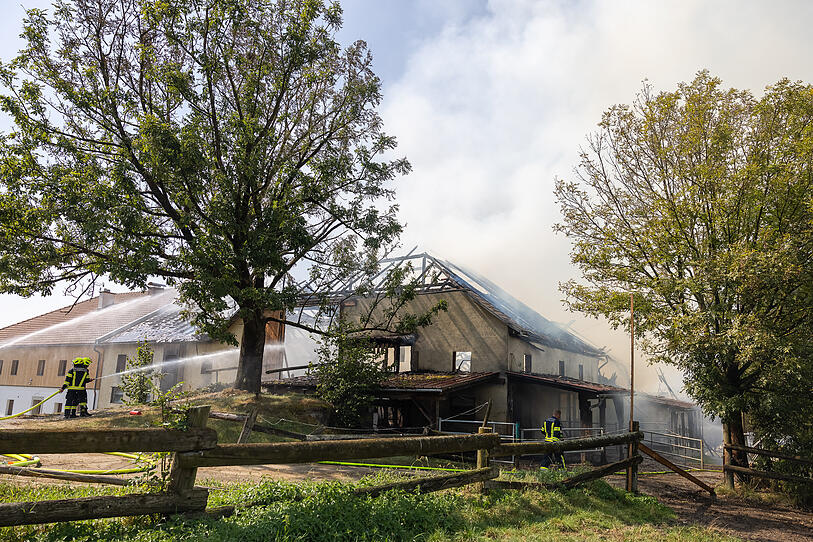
x,y
25,460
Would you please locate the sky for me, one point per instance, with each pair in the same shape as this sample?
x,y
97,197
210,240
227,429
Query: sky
x,y
491,101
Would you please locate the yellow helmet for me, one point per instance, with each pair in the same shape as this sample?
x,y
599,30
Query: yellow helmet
x,y
81,362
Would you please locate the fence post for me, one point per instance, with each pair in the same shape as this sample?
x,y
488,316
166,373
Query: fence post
x,y
702,462
632,470
248,425
182,479
482,458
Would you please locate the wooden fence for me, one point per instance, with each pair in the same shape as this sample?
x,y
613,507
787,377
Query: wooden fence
x,y
198,447
730,469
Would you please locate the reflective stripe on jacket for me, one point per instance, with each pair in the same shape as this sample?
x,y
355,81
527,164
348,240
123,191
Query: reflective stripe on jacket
x,y
552,429
76,379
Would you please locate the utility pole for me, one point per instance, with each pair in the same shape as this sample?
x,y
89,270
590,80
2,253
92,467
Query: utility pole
x,y
632,358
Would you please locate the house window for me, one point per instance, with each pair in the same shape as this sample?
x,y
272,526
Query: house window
x,y
9,407
527,363
57,408
116,395
63,366
461,362
121,363
41,367
15,363
581,371
37,410
561,368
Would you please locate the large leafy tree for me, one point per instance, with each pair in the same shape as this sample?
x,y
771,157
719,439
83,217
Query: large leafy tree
x,y
225,145
699,202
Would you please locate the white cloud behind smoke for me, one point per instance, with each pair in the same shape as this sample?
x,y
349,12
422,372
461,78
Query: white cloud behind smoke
x,y
492,108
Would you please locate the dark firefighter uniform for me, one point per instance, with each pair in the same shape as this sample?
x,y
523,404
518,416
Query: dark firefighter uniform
x,y
552,431
75,382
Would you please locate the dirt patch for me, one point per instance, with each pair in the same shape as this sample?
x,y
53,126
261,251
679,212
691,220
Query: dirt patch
x,y
732,515
255,473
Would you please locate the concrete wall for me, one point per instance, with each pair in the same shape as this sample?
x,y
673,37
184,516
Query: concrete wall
x,y
29,357
545,360
465,327
23,397
194,357
532,404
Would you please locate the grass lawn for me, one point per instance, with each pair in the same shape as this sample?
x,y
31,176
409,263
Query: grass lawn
x,y
328,511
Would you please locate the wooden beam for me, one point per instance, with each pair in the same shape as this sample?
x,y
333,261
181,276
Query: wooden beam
x,y
308,452
567,483
28,513
772,475
59,475
62,441
524,448
248,425
434,483
663,461
601,472
632,451
423,411
257,427
770,453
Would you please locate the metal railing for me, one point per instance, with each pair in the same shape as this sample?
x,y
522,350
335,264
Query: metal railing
x,y
684,451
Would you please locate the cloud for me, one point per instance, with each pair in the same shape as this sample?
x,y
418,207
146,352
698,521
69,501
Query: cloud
x,y
491,108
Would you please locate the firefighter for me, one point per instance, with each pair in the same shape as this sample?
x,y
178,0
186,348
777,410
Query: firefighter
x,y
75,382
552,430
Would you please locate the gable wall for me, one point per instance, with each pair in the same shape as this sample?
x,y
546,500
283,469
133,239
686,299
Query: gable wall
x,y
546,360
464,327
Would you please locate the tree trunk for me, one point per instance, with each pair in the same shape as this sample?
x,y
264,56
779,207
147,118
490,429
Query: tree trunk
x,y
733,433
252,345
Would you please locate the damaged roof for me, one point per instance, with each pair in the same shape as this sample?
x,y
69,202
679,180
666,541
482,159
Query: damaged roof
x,y
405,382
528,324
567,383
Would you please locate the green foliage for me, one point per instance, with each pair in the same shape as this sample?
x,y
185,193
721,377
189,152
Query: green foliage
x,y
138,384
698,201
348,377
220,145
270,511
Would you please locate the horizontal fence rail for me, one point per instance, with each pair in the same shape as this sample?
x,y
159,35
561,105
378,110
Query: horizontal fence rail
x,y
730,469
152,439
770,453
338,450
527,448
26,513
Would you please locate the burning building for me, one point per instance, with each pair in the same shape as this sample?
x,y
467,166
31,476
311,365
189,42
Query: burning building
x,y
489,347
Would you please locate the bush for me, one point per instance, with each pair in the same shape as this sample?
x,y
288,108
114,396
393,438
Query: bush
x,y
348,377
137,385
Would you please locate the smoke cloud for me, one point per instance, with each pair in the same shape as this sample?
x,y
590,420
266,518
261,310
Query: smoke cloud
x,y
490,109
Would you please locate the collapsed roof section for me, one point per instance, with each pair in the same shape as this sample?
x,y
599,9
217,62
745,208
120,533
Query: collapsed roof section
x,y
435,275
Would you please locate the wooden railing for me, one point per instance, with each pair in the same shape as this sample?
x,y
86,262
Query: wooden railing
x,y
198,447
730,469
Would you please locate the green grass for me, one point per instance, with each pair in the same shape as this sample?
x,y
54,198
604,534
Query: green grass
x,y
268,511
